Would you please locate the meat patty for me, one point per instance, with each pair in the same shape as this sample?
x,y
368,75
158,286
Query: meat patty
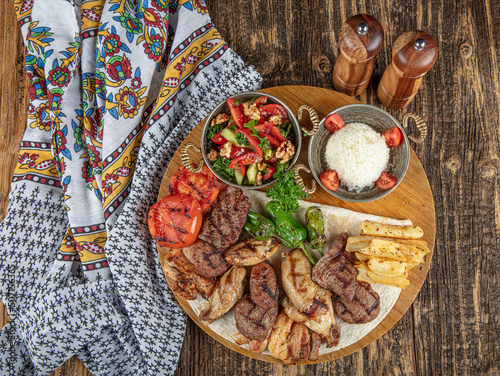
x,y
223,222
363,308
207,260
335,272
252,321
264,289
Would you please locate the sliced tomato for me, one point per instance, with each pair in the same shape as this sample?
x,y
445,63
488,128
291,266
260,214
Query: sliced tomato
x,y
330,179
275,131
392,136
235,151
271,160
273,109
265,127
272,140
245,160
386,181
218,139
334,122
260,101
175,221
236,112
270,170
203,186
252,140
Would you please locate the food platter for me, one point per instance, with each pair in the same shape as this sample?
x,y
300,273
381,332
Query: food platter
x,y
412,199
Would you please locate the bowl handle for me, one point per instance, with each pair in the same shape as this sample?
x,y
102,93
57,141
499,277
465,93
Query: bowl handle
x,y
300,182
420,126
185,157
313,115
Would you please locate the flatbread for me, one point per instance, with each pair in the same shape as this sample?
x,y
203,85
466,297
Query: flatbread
x,y
337,221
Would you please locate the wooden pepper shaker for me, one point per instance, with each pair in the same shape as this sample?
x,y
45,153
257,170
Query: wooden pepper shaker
x,y
413,55
360,38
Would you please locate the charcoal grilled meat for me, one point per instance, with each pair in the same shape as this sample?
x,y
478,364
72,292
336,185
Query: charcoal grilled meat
x,y
335,272
207,260
264,289
315,344
363,308
252,321
224,221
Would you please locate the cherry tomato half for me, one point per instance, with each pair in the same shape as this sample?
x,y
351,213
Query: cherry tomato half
x,y
334,122
330,179
386,181
175,221
260,101
203,186
392,136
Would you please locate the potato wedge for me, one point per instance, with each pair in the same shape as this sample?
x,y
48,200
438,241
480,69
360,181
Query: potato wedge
x,y
422,244
382,229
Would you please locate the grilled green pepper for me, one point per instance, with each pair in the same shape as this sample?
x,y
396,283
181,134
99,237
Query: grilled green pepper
x,y
315,226
259,226
288,231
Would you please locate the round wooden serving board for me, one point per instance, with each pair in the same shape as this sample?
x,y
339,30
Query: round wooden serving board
x,y
412,199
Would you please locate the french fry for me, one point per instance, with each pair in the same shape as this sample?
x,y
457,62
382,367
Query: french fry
x,y
393,231
384,248
367,259
422,244
366,275
355,247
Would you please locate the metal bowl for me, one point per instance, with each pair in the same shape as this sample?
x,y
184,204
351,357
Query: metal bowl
x,y
380,121
222,107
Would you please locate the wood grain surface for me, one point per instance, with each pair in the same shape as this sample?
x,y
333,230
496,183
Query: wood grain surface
x,y
412,199
453,325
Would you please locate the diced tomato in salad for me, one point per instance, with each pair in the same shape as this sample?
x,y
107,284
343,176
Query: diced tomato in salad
x,y
246,146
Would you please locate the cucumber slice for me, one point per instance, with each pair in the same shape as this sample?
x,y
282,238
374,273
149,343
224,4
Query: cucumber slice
x,y
268,153
230,135
239,177
252,173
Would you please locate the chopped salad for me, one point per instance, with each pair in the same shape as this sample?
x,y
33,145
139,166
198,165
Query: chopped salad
x,y
253,144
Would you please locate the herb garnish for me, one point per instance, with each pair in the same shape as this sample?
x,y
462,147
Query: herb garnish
x,y
221,166
212,131
286,192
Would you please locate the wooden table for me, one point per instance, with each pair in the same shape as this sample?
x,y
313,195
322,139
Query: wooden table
x,y
453,326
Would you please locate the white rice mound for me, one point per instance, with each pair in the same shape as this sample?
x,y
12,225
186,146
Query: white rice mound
x,y
359,154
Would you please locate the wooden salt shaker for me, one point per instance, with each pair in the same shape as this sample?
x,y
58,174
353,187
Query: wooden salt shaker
x,y
360,38
413,55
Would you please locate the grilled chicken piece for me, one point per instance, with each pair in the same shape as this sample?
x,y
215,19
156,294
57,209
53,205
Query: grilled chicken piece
x,y
253,345
315,344
319,320
264,288
224,220
207,260
363,308
186,281
251,251
227,292
296,279
287,339
239,338
257,346
252,321
335,272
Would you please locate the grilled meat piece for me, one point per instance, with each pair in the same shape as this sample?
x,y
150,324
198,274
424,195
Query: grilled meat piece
x,y
335,272
251,251
363,308
257,346
207,260
224,221
186,281
287,339
264,289
296,279
315,344
227,292
252,321
239,338
320,320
